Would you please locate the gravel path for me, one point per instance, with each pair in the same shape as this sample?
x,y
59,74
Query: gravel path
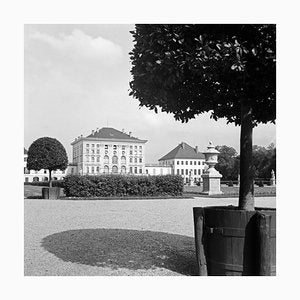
x,y
113,237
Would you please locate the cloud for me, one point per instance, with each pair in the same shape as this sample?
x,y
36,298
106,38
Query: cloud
x,y
79,45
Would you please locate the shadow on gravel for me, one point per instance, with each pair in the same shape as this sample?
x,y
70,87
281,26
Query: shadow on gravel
x,y
122,248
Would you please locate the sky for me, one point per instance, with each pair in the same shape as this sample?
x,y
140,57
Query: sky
x,y
76,79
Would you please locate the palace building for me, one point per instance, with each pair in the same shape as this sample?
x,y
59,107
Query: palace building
x,y
185,161
109,151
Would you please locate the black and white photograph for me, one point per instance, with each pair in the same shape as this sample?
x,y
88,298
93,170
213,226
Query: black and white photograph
x,y
149,151
139,126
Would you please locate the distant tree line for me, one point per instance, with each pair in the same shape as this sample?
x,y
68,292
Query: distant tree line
x,y
264,161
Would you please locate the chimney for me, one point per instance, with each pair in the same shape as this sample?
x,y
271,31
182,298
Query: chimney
x,y
196,149
93,131
182,145
97,129
129,133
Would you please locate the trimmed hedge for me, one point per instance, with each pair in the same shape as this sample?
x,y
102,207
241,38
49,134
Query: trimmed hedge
x,y
120,185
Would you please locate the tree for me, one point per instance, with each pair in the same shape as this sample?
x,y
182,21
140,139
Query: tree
x,y
226,162
47,153
264,160
228,70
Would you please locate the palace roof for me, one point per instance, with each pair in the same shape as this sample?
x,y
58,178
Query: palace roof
x,y
111,133
183,151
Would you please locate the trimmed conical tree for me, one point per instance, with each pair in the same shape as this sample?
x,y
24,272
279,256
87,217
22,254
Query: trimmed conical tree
x,y
228,70
47,153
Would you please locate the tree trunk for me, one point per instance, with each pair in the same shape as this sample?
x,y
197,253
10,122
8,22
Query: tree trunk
x,y
50,179
246,196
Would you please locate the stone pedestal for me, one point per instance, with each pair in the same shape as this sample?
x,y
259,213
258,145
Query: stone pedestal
x,y
211,177
211,182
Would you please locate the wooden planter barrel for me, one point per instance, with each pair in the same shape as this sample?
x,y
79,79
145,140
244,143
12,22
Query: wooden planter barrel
x,y
232,241
51,193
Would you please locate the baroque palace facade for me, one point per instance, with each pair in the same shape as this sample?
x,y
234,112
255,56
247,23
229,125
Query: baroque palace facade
x,y
109,151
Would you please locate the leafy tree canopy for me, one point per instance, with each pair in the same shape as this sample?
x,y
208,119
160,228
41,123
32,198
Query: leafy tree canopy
x,y
191,69
47,153
227,164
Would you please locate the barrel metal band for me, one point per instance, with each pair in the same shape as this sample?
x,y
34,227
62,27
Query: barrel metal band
x,y
230,231
232,267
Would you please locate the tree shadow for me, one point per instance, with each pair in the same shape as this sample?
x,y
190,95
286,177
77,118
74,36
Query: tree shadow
x,y
122,248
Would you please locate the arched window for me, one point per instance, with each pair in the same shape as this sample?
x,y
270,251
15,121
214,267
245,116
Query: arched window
x,y
123,160
115,169
115,159
106,169
123,169
35,179
106,159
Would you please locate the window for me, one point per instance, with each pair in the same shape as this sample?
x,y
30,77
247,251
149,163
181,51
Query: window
x,y
115,147
93,170
146,171
97,169
45,171
186,162
177,162
203,162
135,160
182,162
115,169
140,147
98,158
135,147
186,172
93,151
141,160
141,170
123,160
106,147
135,170
186,180
106,169
98,145
130,159
98,151
199,172
115,160
25,158
191,162
130,169
178,171
93,158
87,151
182,171
93,145
131,147
195,172
26,179
123,147
87,145
199,162
87,170
123,169
106,159
130,152
115,152
195,162
123,152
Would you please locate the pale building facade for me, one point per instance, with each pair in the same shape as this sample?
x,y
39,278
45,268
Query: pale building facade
x,y
109,151
157,169
185,161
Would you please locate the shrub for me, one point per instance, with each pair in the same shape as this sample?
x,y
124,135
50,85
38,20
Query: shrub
x,y
120,185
